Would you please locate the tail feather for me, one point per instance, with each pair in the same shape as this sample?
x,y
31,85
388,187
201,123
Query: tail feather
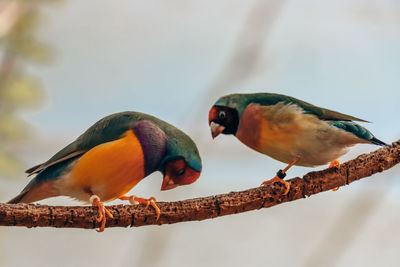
x,y
43,185
378,142
32,170
19,198
35,191
358,130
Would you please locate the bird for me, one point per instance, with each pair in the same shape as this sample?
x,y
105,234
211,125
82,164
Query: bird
x,y
287,129
110,158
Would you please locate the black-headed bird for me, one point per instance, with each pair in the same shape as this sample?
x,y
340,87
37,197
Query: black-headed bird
x,y
288,129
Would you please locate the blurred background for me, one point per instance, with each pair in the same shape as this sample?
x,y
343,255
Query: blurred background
x,y
65,64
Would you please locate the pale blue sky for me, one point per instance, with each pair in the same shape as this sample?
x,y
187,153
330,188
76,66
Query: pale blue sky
x,y
161,57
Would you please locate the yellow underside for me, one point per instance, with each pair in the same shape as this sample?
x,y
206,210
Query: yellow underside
x,y
266,135
284,132
109,170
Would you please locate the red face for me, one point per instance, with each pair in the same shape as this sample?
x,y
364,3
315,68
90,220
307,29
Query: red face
x,y
176,173
216,129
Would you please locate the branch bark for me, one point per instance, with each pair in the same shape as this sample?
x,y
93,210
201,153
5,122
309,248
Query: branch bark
x,y
31,215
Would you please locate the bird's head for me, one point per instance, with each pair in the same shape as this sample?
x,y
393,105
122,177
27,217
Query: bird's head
x,y
178,172
223,119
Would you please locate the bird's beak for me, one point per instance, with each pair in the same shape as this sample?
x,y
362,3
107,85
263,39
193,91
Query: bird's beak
x,y
168,183
216,129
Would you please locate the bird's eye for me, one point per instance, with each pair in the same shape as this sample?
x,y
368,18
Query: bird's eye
x,y
181,172
222,115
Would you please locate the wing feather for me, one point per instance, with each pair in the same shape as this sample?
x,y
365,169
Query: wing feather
x,y
105,130
321,113
38,168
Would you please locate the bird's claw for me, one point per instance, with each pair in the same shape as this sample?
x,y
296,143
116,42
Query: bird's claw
x,y
103,212
278,180
334,164
134,200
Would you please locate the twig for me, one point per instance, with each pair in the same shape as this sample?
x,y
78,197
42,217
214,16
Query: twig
x,y
198,209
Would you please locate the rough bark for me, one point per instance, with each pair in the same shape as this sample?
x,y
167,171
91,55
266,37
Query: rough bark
x,y
198,209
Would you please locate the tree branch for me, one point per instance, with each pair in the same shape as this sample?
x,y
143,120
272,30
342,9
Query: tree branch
x,y
198,209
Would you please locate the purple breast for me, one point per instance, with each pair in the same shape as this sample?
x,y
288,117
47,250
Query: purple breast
x,y
154,144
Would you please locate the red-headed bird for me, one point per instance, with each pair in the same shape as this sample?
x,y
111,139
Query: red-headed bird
x,y
288,129
111,157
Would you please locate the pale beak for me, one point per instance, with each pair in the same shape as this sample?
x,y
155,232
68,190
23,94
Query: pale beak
x,y
216,129
168,183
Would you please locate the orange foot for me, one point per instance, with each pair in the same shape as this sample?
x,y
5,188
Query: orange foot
x,y
134,200
278,180
103,212
335,164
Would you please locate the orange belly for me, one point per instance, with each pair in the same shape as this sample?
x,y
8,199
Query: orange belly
x,y
268,132
109,170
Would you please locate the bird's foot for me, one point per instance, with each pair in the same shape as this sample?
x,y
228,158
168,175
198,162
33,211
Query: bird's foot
x,y
103,212
134,200
278,180
335,163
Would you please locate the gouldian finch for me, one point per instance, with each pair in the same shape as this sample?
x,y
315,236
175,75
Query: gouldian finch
x,y
288,129
111,157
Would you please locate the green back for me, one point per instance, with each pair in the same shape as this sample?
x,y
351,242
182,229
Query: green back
x,y
113,126
336,119
240,102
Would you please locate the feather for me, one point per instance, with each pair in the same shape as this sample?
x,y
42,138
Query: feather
x,y
240,101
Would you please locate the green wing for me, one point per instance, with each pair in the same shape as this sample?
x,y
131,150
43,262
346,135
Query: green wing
x,y
106,130
240,102
358,131
339,120
336,119
322,113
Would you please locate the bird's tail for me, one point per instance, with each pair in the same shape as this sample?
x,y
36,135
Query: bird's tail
x,y
34,191
44,184
378,142
19,198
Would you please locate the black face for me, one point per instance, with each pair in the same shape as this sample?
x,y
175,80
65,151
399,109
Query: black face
x,y
226,117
